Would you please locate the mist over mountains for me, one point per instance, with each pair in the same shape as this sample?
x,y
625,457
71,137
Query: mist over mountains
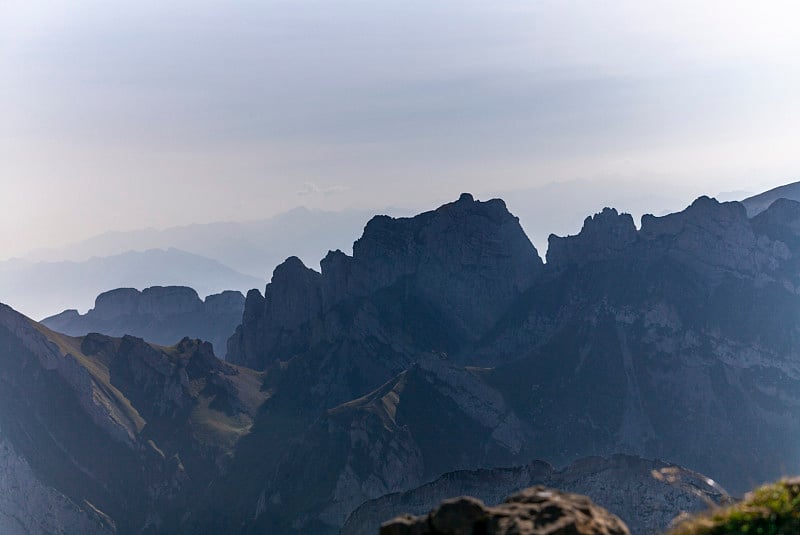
x,y
250,247
42,289
443,343
241,255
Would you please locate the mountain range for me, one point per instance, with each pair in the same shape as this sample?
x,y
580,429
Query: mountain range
x,y
444,343
239,255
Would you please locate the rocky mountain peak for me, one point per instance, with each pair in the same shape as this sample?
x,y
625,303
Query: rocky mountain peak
x,y
159,314
712,237
229,301
157,300
469,259
704,214
603,235
450,253
294,295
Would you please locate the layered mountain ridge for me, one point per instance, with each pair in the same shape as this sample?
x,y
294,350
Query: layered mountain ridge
x,y
122,428
160,314
443,344
658,342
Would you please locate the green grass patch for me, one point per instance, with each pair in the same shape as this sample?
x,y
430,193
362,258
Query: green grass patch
x,y
773,509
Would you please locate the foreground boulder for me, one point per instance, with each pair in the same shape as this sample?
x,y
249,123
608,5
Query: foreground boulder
x,y
533,511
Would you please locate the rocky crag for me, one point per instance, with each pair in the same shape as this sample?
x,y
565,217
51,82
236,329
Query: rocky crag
x,y
160,314
673,341
533,511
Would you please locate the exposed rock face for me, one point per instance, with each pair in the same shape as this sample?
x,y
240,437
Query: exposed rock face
x,y
28,506
604,235
400,425
161,314
626,341
622,484
128,431
466,261
691,330
533,511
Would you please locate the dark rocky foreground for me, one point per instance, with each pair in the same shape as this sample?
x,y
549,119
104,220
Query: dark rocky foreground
x,y
533,511
647,495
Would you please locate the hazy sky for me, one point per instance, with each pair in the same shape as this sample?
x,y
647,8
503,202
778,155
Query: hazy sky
x,y
128,114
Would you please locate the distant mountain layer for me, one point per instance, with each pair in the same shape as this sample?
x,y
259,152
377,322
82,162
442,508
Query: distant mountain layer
x,y
162,315
758,203
250,247
42,289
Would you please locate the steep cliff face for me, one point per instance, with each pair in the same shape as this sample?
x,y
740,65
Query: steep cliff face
x,y
668,348
465,263
160,314
676,341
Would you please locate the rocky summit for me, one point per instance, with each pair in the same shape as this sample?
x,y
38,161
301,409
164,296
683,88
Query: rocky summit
x,y
159,314
533,511
461,266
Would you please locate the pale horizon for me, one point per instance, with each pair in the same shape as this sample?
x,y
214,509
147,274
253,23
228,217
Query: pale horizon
x,y
144,115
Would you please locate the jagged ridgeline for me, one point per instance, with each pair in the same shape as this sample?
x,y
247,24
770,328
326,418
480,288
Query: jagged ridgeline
x,y
443,343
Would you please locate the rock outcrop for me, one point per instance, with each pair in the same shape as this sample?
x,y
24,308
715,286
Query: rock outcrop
x,y
634,489
160,314
29,506
603,235
533,511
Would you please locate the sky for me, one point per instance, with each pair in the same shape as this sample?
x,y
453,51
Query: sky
x,y
131,114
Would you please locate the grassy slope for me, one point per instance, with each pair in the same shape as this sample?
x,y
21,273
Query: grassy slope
x,y
773,509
